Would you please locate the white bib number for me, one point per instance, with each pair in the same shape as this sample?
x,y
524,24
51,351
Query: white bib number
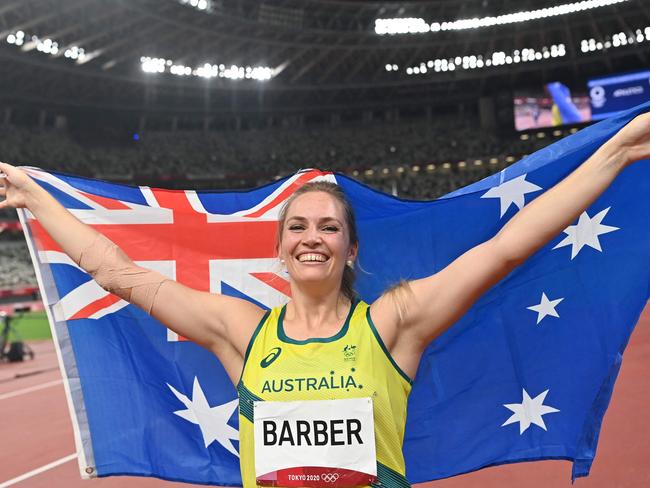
x,y
315,443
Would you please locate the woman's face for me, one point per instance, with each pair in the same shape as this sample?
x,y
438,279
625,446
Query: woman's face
x,y
315,242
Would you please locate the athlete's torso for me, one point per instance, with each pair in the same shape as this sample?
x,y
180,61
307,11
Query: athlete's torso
x,y
353,363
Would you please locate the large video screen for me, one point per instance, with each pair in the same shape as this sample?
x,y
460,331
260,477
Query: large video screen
x,y
610,95
552,106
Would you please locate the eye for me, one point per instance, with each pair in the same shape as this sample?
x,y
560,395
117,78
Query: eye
x,y
330,228
296,227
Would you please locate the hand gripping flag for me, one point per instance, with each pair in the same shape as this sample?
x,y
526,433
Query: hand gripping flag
x,y
526,374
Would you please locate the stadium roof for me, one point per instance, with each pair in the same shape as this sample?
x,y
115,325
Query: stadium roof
x,y
286,55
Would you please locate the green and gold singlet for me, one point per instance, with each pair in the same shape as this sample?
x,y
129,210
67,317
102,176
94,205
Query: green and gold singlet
x,y
353,363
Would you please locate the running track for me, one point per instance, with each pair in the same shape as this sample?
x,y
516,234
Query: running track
x,y
37,447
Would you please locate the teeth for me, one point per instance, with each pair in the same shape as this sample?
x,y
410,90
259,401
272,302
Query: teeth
x,y
311,257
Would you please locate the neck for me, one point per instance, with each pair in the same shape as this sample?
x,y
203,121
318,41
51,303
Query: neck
x,y
313,313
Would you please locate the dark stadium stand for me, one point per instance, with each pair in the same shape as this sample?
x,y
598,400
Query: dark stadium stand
x,y
251,157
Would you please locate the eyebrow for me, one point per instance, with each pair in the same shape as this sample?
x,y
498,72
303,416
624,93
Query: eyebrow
x,y
321,220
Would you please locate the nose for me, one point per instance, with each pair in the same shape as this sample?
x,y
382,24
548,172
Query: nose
x,y
311,237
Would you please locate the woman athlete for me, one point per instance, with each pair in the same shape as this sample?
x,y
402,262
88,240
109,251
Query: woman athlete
x,y
325,344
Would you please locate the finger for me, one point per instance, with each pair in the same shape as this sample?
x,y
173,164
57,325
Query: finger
x,y
4,169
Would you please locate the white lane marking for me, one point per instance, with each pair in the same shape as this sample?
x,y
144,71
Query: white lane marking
x,y
12,394
40,470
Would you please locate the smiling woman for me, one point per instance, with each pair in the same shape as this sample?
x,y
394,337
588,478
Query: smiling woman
x,y
335,222
327,358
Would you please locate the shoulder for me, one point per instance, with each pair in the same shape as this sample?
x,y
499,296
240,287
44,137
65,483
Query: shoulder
x,y
390,310
389,316
237,320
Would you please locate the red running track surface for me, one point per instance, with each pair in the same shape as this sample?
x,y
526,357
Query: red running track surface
x,y
36,431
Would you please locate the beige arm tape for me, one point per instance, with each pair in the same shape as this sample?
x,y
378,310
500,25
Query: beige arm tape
x,y
117,274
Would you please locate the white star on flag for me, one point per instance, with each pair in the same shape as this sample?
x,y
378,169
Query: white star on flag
x,y
511,192
529,411
545,307
213,421
586,232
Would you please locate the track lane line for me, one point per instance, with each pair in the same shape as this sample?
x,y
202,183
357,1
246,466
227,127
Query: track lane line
x,y
30,389
37,471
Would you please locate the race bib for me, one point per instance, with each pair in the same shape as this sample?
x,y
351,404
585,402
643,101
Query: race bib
x,y
315,443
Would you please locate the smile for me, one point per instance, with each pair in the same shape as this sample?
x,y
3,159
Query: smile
x,y
312,258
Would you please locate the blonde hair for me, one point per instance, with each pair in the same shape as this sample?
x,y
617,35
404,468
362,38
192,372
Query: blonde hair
x,y
334,190
399,293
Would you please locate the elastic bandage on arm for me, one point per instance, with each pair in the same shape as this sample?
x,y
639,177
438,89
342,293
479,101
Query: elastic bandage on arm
x,y
116,273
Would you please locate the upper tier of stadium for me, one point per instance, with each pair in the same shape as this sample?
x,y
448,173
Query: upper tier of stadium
x,y
280,56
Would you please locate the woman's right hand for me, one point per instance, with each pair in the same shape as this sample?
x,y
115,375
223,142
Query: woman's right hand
x,y
14,187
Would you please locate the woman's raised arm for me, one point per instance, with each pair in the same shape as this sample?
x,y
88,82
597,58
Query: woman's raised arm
x,y
222,324
410,317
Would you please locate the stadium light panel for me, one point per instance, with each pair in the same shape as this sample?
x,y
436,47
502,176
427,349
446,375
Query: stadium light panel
x,y
201,5
47,45
619,39
75,52
417,25
207,70
17,38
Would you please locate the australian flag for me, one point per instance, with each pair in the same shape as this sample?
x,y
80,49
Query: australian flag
x,y
526,374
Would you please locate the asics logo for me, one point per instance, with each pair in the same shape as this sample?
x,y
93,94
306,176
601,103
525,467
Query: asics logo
x,y
329,477
270,357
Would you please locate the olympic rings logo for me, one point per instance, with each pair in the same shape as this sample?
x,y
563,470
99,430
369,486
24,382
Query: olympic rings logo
x,y
329,477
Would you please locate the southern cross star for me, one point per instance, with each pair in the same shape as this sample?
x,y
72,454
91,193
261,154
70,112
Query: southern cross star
x,y
545,307
511,192
529,411
213,421
586,232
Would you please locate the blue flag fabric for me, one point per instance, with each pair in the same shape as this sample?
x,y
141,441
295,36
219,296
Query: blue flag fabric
x,y
526,374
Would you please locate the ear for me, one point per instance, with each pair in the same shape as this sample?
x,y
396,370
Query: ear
x,y
353,252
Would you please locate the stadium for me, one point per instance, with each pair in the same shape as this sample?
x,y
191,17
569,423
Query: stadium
x,y
415,99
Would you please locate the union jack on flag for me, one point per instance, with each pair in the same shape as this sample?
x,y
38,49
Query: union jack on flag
x,y
173,232
526,374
